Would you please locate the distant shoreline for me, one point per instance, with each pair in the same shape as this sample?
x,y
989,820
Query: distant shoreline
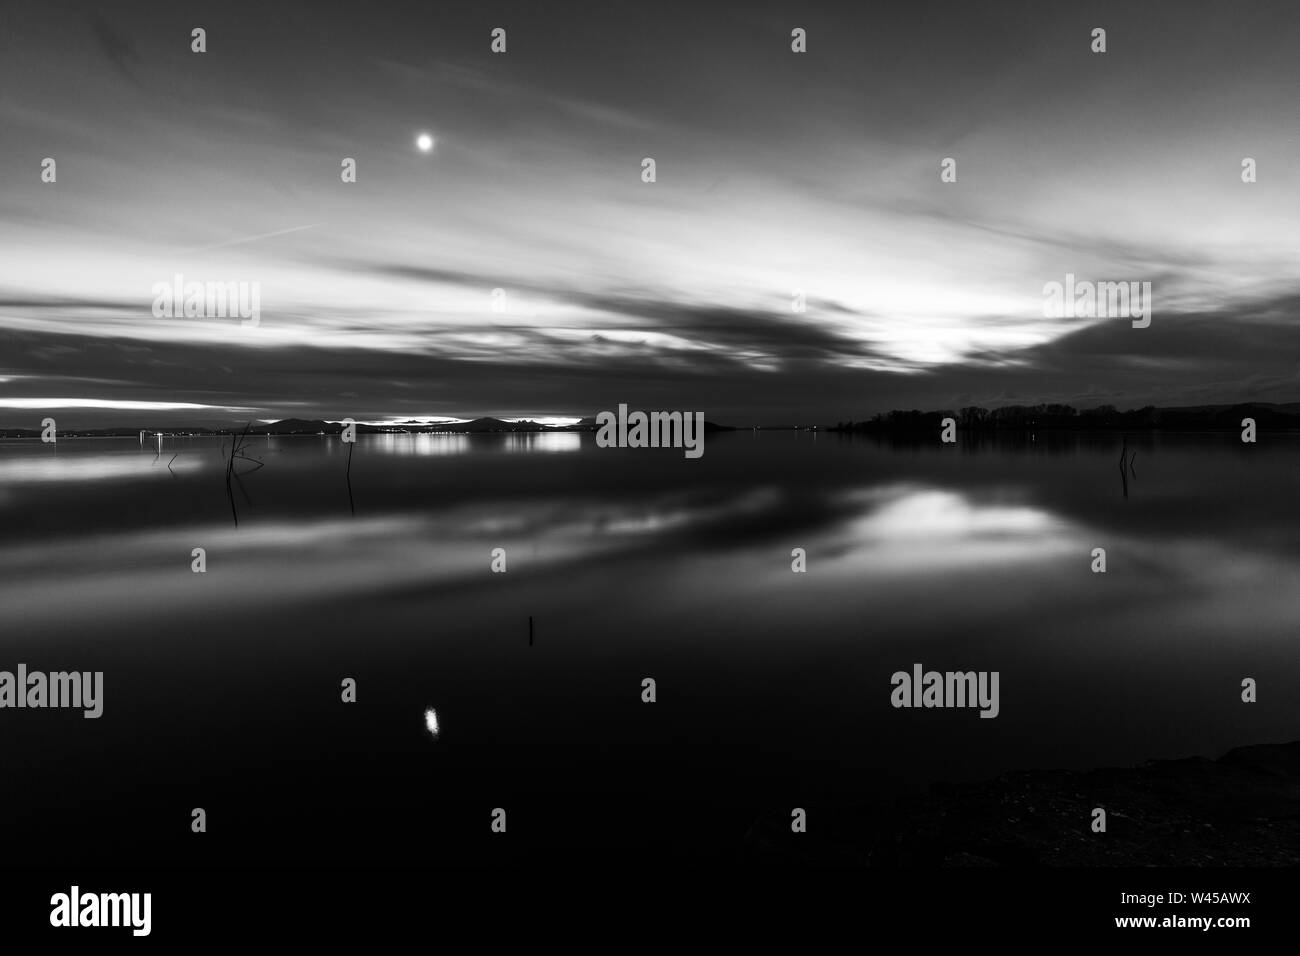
x,y
1065,418
970,419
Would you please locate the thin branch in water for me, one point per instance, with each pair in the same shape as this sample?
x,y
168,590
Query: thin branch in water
x,y
352,504
1123,475
239,481
236,448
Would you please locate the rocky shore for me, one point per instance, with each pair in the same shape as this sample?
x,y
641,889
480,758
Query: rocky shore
x,y
1240,810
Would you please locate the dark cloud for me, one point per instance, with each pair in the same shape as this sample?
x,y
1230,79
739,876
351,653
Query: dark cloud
x,y
1192,358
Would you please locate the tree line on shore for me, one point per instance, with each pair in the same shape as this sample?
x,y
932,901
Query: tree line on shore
x,y
1104,417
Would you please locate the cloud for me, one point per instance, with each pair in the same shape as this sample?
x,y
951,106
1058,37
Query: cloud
x,y
1187,359
119,51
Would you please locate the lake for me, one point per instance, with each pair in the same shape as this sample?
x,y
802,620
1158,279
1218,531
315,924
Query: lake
x,y
773,688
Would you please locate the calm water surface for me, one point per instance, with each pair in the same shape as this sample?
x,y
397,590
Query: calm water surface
x,y
222,689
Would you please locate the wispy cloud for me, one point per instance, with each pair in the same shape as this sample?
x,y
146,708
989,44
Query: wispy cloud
x,y
257,238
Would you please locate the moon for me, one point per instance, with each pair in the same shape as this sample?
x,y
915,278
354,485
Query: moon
x,y
424,142
431,722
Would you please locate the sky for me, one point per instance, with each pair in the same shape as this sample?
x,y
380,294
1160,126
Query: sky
x,y
776,173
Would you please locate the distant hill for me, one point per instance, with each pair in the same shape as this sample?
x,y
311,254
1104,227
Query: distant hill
x,y
479,425
298,426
